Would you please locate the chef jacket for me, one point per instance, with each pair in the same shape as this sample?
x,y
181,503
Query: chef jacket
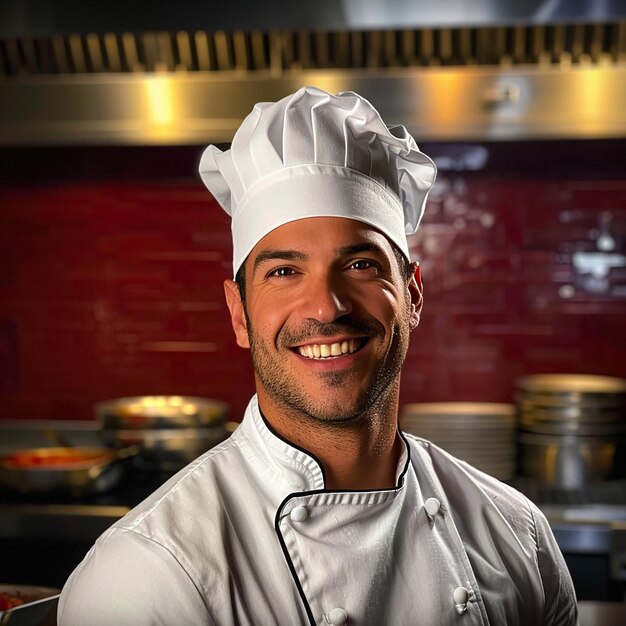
x,y
248,534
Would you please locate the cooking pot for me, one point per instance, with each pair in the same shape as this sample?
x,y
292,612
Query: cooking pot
x,y
141,412
76,471
570,461
168,449
573,389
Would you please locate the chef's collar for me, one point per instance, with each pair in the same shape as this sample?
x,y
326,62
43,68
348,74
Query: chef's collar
x,y
299,468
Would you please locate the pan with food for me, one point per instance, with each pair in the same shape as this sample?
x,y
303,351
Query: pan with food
x,y
76,471
26,604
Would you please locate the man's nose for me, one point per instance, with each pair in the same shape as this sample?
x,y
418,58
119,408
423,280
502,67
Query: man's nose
x,y
325,299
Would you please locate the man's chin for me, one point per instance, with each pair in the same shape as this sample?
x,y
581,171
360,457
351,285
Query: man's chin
x,y
341,412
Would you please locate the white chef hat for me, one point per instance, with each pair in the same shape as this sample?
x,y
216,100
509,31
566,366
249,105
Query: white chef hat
x,y
313,154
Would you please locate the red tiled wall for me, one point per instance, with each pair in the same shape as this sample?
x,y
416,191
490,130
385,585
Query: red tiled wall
x,y
111,285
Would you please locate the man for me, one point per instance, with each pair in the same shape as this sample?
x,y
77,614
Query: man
x,y
317,510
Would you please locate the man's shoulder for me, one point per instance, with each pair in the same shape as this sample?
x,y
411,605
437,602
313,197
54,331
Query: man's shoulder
x,y
468,488
191,492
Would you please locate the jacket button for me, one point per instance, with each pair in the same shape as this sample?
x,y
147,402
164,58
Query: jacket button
x,y
337,617
432,506
299,514
461,598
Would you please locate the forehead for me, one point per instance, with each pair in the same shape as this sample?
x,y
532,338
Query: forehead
x,y
323,235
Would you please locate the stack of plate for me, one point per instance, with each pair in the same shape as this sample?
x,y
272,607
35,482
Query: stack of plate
x,y
572,428
483,434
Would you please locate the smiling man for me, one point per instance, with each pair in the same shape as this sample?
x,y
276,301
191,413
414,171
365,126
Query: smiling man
x,y
329,308
318,510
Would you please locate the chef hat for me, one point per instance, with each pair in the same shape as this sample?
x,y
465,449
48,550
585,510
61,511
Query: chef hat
x,y
313,154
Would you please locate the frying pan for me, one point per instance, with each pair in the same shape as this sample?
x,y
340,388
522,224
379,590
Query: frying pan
x,y
73,470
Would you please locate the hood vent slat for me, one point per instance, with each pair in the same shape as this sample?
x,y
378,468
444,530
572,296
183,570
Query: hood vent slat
x,y
243,52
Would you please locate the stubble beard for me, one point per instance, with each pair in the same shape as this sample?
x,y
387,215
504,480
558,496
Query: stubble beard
x,y
284,389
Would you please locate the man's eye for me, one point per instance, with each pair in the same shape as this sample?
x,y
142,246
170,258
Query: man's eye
x,y
282,272
361,264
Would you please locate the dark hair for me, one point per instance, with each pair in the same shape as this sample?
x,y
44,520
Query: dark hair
x,y
403,263
240,279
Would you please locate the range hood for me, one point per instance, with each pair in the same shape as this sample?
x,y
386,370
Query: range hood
x,y
453,71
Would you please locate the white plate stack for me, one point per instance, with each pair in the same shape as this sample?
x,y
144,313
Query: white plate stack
x,y
481,433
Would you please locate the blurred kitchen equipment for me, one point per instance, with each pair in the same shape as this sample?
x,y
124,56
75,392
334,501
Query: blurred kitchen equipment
x,y
170,431
571,428
36,605
482,434
160,412
167,449
76,471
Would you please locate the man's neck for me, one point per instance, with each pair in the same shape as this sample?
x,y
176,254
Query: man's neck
x,y
359,455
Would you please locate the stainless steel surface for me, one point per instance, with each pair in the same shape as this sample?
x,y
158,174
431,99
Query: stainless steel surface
x,y
568,460
449,72
531,422
435,104
572,428
167,449
575,387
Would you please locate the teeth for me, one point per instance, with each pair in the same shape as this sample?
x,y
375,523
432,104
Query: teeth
x,y
325,350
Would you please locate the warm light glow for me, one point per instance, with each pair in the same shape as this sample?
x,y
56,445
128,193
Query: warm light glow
x,y
160,100
593,90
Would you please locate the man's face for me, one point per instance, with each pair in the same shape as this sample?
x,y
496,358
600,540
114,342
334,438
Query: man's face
x,y
328,316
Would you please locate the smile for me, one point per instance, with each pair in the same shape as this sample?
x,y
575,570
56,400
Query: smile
x,y
330,350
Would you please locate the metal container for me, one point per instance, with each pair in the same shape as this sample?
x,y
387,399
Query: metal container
x,y
571,428
569,461
169,431
573,389
161,411
167,449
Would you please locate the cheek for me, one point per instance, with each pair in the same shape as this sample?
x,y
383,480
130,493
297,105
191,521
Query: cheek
x,y
266,318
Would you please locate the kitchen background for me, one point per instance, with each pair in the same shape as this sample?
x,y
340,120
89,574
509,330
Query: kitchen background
x,y
112,253
113,261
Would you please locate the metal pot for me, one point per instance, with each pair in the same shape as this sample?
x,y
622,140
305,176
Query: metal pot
x,y
150,412
76,471
570,461
573,389
168,449
572,428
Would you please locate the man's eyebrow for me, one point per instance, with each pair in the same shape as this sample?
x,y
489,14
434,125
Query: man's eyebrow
x,y
283,255
360,247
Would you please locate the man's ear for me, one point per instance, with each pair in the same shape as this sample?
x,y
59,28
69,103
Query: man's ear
x,y
417,299
237,315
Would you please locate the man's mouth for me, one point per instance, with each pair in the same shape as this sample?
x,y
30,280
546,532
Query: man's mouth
x,y
331,350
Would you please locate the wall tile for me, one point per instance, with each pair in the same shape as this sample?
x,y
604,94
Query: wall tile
x,y
113,287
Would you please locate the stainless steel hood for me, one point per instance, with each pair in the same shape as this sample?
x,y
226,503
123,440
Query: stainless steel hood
x,y
445,104
535,69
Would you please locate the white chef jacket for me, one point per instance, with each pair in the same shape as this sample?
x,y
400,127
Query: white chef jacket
x,y
248,534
